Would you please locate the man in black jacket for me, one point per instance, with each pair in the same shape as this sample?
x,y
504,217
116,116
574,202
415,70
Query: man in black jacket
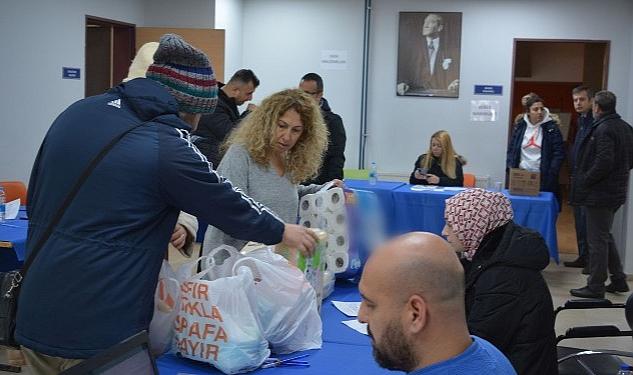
x,y
334,158
215,127
583,101
603,164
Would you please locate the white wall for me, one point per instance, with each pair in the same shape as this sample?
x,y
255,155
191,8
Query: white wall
x,y
488,29
229,15
185,14
39,37
283,40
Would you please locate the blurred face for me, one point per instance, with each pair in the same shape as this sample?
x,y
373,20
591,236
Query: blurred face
x,y
310,87
431,25
536,112
582,103
244,93
452,239
288,131
436,147
391,348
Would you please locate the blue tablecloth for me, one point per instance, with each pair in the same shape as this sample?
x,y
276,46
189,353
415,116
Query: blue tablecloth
x,y
14,232
344,351
424,211
384,192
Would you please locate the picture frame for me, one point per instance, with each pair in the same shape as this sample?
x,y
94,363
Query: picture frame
x,y
429,54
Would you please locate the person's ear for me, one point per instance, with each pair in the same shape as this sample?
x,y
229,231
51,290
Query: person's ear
x,y
417,314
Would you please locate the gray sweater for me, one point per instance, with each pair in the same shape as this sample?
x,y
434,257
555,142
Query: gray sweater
x,y
263,184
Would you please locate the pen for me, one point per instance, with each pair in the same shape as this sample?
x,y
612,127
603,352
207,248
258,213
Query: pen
x,y
290,361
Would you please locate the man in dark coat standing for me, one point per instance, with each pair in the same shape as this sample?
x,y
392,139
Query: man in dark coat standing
x,y
603,164
334,158
215,127
583,101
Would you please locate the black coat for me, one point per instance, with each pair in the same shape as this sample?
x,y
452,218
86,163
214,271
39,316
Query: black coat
x,y
604,161
552,153
507,300
213,128
334,158
436,169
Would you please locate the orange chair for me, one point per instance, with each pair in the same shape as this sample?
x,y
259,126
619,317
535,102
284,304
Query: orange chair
x,y
469,180
14,190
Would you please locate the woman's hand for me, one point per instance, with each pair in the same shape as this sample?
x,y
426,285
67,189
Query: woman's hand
x,y
432,179
299,238
338,183
179,237
419,175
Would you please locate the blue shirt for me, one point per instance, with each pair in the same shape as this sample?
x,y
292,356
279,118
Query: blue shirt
x,y
481,357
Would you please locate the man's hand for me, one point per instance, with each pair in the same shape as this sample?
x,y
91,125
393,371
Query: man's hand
x,y
179,237
300,238
402,88
251,107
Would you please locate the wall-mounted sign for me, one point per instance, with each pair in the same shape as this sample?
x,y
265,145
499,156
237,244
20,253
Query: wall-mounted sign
x,y
333,60
488,89
484,110
71,73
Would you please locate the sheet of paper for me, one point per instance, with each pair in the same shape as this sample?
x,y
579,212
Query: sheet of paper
x,y
347,308
12,209
356,325
454,188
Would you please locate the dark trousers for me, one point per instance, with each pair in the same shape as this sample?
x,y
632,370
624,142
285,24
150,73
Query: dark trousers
x,y
603,255
580,221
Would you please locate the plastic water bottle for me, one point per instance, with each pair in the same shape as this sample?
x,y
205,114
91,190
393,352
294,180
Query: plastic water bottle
x,y
625,370
373,173
2,205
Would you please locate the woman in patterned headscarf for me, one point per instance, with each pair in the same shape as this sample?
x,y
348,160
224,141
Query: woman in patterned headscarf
x,y
507,300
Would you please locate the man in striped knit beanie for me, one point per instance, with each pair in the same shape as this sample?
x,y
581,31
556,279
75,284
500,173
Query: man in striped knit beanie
x,y
186,73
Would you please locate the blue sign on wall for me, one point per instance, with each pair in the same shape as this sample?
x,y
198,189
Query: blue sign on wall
x,y
71,73
488,89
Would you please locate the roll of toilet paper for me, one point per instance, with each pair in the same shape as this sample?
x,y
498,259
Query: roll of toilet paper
x,y
336,243
334,200
308,205
338,262
334,222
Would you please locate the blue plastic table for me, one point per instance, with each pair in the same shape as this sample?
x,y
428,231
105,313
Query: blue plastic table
x,y
344,351
384,191
13,242
424,211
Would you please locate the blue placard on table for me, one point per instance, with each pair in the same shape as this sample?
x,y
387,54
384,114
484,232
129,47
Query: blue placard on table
x,y
488,89
71,73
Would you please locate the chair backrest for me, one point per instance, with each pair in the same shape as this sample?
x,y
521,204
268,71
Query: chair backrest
x,y
14,190
356,174
469,180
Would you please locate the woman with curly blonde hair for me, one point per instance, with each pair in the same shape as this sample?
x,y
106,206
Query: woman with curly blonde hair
x,y
276,147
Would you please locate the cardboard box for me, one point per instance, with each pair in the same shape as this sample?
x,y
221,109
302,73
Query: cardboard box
x,y
524,182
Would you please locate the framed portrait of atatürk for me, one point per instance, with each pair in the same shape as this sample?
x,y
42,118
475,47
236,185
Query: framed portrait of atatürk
x,y
429,45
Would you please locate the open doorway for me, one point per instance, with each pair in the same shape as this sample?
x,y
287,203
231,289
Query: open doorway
x,y
551,69
110,48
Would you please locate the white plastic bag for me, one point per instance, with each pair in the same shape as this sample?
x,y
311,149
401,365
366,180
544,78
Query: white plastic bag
x,y
286,304
166,306
216,323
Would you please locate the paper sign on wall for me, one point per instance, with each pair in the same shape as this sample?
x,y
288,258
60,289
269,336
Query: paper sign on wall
x,y
484,110
333,60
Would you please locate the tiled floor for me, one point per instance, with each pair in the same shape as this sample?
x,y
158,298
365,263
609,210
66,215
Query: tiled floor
x,y
560,279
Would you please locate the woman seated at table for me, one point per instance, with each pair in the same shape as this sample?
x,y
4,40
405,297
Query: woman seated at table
x,y
276,147
507,300
537,145
440,165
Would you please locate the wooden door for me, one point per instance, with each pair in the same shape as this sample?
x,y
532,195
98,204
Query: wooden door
x,y
208,40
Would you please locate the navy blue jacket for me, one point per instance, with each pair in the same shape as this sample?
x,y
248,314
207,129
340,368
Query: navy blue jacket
x,y
584,125
92,284
604,161
552,153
